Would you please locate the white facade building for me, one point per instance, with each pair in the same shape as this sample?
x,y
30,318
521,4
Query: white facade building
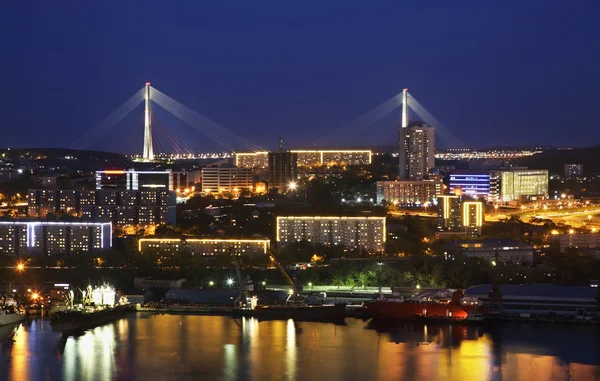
x,y
367,233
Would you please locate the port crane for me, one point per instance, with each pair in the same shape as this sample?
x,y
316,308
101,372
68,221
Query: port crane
x,y
286,276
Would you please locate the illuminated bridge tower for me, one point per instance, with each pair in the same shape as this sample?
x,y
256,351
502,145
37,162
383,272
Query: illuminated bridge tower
x,y
148,154
402,144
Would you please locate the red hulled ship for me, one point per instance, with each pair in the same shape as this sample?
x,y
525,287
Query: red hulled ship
x,y
438,307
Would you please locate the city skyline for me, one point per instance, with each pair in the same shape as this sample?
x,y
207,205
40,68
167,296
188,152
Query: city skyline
x,y
317,73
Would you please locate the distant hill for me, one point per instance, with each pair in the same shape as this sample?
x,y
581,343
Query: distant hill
x,y
555,159
72,158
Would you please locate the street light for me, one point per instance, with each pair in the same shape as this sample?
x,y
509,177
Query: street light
x,y
379,264
264,283
292,185
20,266
229,282
211,283
418,287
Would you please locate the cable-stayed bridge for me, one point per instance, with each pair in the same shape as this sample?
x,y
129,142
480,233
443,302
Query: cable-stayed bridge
x,y
171,127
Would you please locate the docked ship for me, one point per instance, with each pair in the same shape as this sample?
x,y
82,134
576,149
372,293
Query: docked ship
x,y
10,315
334,312
429,308
99,307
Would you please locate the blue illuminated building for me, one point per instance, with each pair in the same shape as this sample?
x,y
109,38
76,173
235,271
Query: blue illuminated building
x,y
471,183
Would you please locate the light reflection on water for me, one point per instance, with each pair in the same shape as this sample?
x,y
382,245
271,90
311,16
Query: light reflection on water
x,y
174,347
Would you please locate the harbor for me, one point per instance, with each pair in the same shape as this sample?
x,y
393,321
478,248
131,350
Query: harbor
x,y
165,346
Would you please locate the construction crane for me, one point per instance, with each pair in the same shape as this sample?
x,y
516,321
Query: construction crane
x,y
284,273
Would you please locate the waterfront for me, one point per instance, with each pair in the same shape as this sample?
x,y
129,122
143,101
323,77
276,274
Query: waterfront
x,y
185,347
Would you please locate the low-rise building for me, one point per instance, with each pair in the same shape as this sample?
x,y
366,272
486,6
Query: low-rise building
x,y
539,299
502,251
203,246
19,238
408,192
470,182
224,179
573,170
578,240
511,184
366,233
121,207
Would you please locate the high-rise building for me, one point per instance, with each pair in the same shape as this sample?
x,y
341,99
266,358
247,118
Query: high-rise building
x,y
516,184
19,238
449,213
416,151
121,207
283,170
459,216
472,217
223,179
408,192
573,170
204,246
367,233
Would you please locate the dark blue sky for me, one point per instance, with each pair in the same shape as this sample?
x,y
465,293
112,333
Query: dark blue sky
x,y
495,73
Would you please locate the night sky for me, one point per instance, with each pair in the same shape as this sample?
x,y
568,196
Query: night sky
x,y
495,73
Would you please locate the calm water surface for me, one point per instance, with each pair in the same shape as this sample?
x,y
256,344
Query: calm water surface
x,y
179,347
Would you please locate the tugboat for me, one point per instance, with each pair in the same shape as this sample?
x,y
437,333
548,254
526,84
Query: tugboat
x,y
98,308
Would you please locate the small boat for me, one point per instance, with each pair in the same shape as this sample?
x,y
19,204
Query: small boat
x,y
475,317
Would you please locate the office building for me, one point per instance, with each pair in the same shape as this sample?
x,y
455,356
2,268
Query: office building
x,y
283,170
475,184
258,160
573,170
20,238
204,246
222,179
141,180
121,207
508,185
366,233
457,216
417,150
408,192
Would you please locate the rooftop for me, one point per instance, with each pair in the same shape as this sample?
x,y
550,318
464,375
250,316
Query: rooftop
x,y
541,290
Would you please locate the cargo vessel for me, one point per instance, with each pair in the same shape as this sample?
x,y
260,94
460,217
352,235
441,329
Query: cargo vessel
x,y
99,307
335,312
435,308
72,322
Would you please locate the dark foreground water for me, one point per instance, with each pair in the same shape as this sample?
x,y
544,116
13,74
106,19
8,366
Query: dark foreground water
x,y
179,347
